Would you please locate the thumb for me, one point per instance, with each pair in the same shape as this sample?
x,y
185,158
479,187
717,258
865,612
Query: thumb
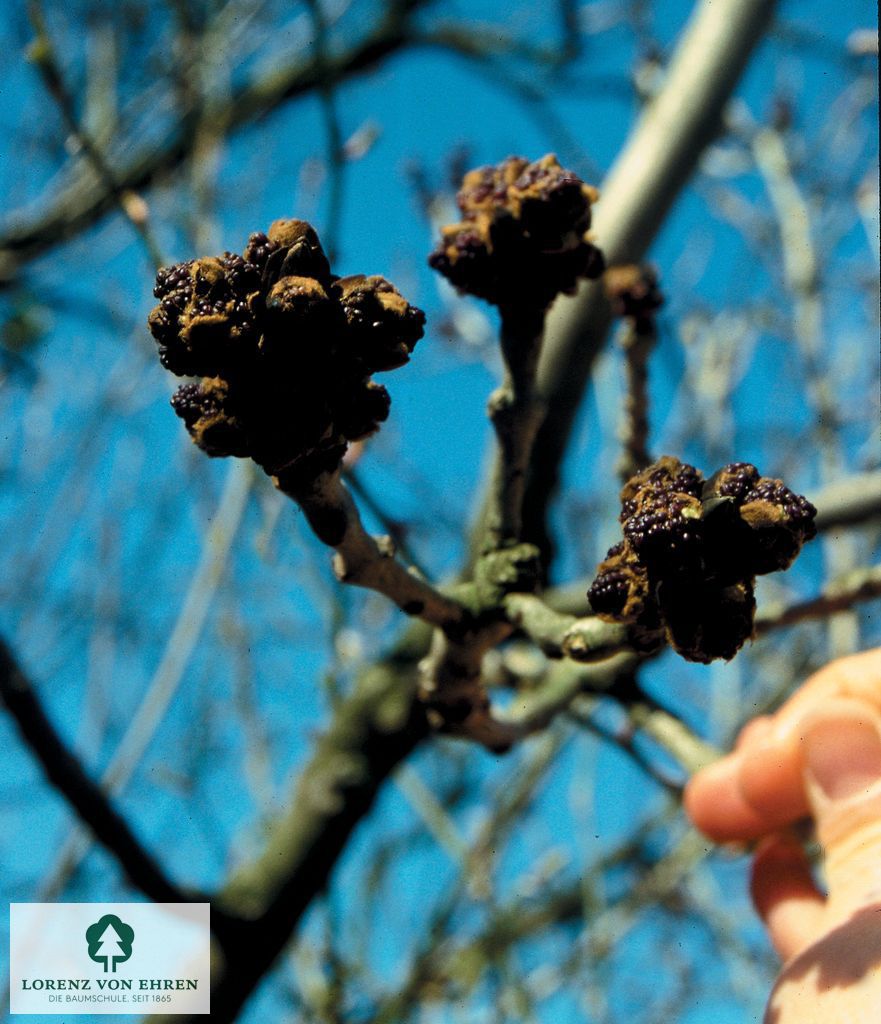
x,y
841,745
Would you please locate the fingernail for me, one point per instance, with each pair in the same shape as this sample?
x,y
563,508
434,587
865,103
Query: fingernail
x,y
843,757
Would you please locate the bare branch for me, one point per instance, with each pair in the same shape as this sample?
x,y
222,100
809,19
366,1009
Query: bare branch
x,y
65,772
566,682
516,416
534,710
43,55
851,589
366,561
637,344
673,735
560,635
372,732
653,168
849,502
624,739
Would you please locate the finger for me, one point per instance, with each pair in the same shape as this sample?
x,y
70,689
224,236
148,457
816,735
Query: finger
x,y
714,802
761,788
771,774
857,676
757,790
842,753
785,895
772,777
754,731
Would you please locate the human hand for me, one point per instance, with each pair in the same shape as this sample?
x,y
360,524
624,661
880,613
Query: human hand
x,y
819,755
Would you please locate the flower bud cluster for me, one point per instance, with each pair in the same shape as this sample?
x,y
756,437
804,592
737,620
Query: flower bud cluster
x,y
634,294
523,238
285,351
691,551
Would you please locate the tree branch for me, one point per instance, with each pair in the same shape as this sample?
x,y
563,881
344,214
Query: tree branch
x,y
65,772
367,561
854,587
560,635
372,732
849,502
516,417
43,55
663,151
636,342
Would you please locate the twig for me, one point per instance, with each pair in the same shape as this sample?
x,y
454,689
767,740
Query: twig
x,y
133,208
533,711
854,587
516,417
801,274
366,561
636,342
433,814
673,735
334,142
567,681
172,665
485,53
564,636
623,738
396,530
849,502
65,772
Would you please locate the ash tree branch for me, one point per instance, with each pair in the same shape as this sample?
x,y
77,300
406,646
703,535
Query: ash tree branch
x,y
560,635
44,57
66,774
395,528
854,587
516,416
660,157
366,561
849,502
372,732
568,684
624,739
637,344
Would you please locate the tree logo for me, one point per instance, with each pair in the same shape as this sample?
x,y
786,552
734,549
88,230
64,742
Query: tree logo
x,y
110,941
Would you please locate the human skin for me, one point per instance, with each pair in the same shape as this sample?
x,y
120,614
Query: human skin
x,y
818,756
